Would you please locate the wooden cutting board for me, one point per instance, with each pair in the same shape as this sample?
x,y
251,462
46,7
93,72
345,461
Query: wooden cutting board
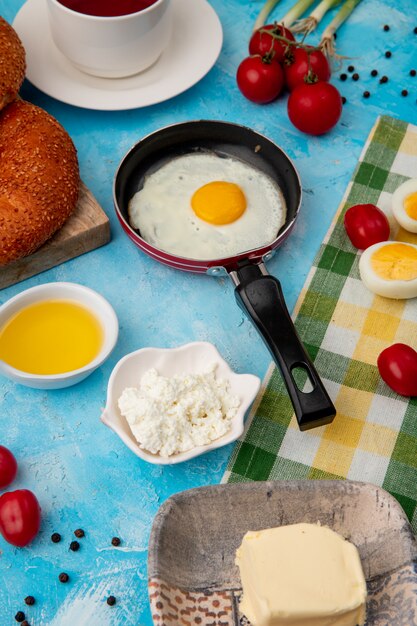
x,y
88,228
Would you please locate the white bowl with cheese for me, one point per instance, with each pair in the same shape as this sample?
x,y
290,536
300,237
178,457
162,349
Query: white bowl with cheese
x,y
190,359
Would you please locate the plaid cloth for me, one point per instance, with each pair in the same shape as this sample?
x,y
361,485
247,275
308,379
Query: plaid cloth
x,y
344,328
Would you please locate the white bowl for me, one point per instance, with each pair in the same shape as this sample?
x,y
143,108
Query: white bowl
x,y
62,291
192,358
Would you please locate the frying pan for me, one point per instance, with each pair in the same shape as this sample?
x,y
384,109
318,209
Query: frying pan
x,y
258,293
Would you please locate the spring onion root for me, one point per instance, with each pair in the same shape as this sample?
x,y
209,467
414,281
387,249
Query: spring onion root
x,y
297,11
327,40
310,23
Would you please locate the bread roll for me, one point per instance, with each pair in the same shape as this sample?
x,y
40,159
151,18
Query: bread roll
x,y
39,179
12,63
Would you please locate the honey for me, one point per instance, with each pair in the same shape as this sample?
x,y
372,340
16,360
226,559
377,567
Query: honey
x,y
51,337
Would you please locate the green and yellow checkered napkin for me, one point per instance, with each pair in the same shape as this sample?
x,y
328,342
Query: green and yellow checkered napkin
x,y
344,327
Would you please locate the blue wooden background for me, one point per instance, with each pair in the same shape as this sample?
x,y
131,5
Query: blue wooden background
x,y
81,472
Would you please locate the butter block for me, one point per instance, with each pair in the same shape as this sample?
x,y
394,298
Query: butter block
x,y
302,575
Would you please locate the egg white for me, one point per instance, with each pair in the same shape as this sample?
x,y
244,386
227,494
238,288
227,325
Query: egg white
x,y
162,211
398,198
389,288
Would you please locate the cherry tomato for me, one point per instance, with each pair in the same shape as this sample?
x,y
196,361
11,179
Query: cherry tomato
x,y
8,467
262,43
398,368
365,225
314,108
297,66
260,80
20,517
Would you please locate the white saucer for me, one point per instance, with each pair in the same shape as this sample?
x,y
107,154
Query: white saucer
x,y
193,50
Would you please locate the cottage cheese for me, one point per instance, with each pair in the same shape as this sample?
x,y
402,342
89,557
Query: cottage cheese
x,y
171,415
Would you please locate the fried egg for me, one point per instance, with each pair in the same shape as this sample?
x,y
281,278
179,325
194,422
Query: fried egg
x,y
389,269
203,206
404,205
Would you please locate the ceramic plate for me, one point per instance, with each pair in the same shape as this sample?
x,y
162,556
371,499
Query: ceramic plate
x,y
193,50
196,533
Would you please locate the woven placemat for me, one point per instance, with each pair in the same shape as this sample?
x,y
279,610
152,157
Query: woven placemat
x,y
344,328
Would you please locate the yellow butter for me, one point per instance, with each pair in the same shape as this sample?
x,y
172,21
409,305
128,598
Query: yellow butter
x,y
302,575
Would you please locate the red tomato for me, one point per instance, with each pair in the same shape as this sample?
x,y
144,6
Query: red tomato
x,y
296,68
8,467
398,368
260,80
314,108
20,517
262,43
365,225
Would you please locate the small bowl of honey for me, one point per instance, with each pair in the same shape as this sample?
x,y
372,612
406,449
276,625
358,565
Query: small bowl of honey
x,y
55,335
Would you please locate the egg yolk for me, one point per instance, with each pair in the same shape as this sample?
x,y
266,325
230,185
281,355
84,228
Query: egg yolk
x,y
410,205
219,202
395,262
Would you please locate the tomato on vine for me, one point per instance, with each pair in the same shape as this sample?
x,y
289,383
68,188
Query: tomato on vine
x,y
314,108
260,78
262,43
302,61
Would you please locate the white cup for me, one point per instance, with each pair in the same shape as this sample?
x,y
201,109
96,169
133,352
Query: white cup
x,y
111,47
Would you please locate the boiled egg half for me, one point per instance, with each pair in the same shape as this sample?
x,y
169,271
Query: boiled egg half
x,y
404,205
389,269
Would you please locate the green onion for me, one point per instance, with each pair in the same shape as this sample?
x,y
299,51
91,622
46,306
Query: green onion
x,y
297,10
327,40
263,15
310,23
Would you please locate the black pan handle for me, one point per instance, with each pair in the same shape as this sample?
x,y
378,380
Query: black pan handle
x,y
260,296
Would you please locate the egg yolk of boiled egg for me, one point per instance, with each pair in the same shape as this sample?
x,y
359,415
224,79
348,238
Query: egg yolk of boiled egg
x,y
390,269
219,202
404,205
410,205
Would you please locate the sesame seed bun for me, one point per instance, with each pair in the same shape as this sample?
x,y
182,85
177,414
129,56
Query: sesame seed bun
x,y
39,179
12,63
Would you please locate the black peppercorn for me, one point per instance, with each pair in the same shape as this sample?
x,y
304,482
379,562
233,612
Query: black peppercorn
x,y
344,100
415,30
383,79
404,92
111,600
63,577
29,600
355,76
388,54
413,72
56,537
343,76
374,73
351,68
74,546
115,541
386,28
20,616
25,623
366,94
79,533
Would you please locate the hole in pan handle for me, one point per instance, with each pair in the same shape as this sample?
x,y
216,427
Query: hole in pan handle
x,y
260,296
